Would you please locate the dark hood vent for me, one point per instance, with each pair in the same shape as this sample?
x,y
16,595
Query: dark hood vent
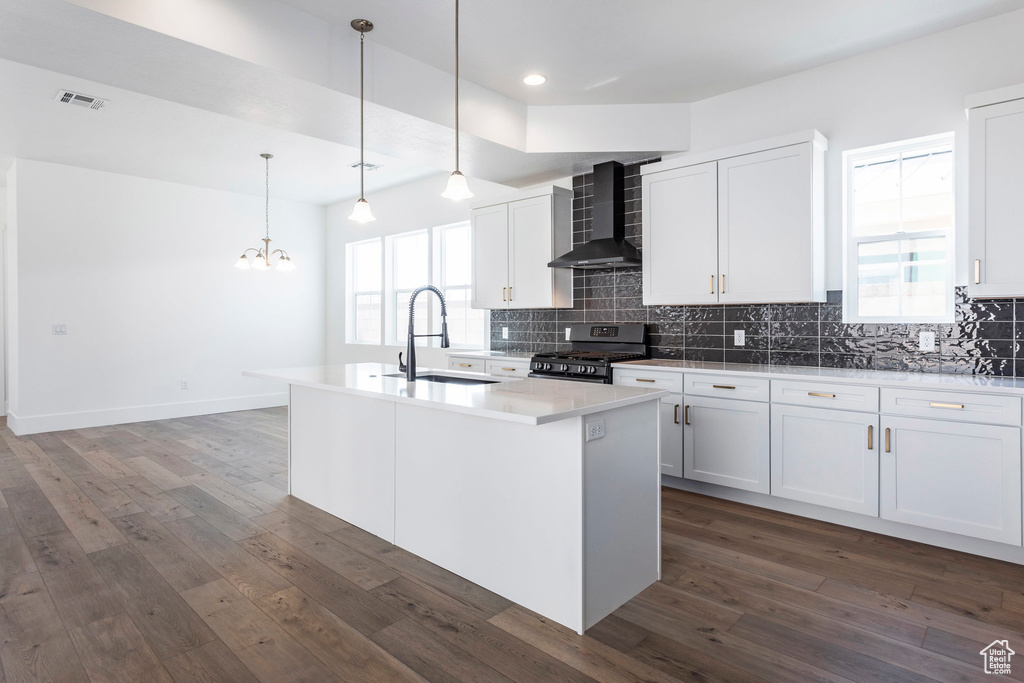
x,y
607,247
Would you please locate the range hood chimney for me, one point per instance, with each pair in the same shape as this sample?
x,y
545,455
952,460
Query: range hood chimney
x,y
607,247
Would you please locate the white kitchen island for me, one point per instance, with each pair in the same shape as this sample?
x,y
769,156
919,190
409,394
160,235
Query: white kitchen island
x,y
496,483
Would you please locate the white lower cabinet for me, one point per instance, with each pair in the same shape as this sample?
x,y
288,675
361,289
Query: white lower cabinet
x,y
726,442
825,457
955,477
672,435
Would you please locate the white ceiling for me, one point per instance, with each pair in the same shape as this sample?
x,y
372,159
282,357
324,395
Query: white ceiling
x,y
644,51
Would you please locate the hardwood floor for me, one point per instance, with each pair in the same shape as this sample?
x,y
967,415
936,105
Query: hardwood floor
x,y
169,551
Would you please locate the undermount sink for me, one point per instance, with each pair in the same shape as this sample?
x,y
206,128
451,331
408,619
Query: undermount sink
x,y
447,379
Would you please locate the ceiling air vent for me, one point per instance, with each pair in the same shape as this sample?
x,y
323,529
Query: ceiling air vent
x,y
368,166
80,100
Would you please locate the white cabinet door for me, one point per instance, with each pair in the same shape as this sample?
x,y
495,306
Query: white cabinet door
x,y
490,256
996,201
672,435
680,235
530,279
726,442
826,457
769,231
956,477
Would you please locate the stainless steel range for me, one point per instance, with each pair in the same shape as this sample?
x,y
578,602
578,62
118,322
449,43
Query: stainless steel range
x,y
593,349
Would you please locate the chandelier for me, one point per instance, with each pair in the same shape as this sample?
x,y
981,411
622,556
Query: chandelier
x,y
261,259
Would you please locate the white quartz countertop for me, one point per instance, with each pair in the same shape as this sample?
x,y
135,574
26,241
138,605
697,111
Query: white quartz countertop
x,y
492,355
529,401
906,380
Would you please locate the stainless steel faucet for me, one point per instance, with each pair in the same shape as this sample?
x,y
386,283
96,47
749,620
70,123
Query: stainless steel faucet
x,y
410,349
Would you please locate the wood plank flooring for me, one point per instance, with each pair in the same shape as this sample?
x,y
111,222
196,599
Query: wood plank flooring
x,y
169,551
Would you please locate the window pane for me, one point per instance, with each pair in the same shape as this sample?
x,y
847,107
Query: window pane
x,y
924,276
878,279
928,190
410,255
456,256
401,308
366,266
876,195
466,326
367,316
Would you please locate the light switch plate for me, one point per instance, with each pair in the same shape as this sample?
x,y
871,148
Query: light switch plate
x,y
504,333
926,342
739,337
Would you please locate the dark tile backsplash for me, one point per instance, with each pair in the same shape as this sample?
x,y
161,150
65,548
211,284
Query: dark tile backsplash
x,y
985,337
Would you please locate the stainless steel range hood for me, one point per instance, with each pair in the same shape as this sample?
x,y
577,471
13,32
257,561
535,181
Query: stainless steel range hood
x,y
607,247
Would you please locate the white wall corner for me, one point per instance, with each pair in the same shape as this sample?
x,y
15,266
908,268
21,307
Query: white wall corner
x,y
608,128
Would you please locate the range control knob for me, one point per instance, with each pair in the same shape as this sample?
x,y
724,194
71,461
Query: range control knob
x,y
583,369
593,369
565,368
547,366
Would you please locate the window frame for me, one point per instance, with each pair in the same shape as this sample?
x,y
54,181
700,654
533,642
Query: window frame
x,y
397,327
351,293
851,242
439,270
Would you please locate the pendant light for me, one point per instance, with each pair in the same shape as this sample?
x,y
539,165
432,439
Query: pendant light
x,y
361,211
457,188
261,259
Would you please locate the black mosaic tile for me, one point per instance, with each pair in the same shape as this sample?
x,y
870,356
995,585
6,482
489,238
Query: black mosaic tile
x,y
978,348
666,313
751,329
520,315
705,327
908,362
834,297
789,328
795,312
601,291
704,341
1002,367
831,314
698,313
985,329
630,315
748,313
794,344
676,340
601,304
750,343
851,345
754,357
794,358
668,353
705,355
829,329
667,327
847,361
982,309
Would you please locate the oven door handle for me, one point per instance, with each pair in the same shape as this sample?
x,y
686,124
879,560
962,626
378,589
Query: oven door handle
x,y
591,380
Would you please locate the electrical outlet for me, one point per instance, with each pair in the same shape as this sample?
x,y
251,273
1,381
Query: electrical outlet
x,y
926,342
60,328
739,337
504,333
595,430
184,384
568,331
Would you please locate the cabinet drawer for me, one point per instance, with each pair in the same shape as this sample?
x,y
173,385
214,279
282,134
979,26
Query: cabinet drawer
x,y
648,379
466,364
508,368
826,395
949,405
726,386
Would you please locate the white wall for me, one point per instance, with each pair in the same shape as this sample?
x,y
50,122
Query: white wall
x,y
141,272
905,91
413,206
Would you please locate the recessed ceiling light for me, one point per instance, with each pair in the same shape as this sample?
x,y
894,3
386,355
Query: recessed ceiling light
x,y
535,79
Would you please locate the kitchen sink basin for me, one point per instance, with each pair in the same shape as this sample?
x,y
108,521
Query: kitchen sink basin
x,y
447,379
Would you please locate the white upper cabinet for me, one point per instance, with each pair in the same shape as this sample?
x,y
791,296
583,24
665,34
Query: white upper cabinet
x,y
512,245
746,225
996,200
679,254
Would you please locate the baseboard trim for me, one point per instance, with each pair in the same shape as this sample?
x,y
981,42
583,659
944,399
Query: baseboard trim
x,y
35,424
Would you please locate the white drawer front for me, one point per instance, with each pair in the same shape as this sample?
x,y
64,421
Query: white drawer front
x,y
826,395
949,405
508,368
466,364
726,386
649,379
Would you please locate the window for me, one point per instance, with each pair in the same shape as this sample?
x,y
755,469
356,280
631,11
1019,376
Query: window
x,y
452,268
383,272
898,223
364,288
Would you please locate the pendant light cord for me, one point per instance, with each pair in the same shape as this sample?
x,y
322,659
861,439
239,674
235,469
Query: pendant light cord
x,y
266,209
456,86
362,101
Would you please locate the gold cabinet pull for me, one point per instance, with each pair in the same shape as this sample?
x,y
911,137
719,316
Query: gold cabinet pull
x,y
711,284
871,437
721,284
686,415
503,290
959,406
509,369
888,449
722,386
675,414
510,293
820,395
977,271
641,379
465,365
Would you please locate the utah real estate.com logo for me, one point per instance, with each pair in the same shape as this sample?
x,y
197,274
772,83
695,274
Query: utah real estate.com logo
x,y
997,657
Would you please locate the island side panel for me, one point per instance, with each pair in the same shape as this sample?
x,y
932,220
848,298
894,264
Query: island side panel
x,y
343,457
499,503
622,508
